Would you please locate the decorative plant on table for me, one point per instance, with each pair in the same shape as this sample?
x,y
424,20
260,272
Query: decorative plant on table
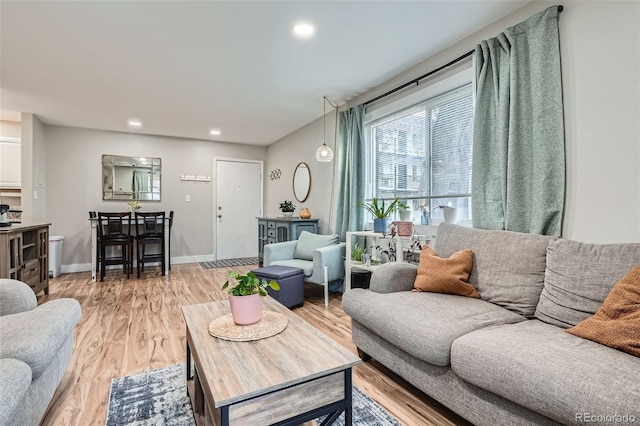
x,y
134,206
381,211
245,297
287,208
357,251
450,213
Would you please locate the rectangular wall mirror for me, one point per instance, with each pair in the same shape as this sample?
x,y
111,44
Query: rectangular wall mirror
x,y
130,178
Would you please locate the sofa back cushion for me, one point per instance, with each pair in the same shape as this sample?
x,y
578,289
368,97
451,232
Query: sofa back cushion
x,y
308,242
508,267
579,277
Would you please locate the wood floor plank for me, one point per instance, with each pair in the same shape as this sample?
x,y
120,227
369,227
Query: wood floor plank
x,y
135,325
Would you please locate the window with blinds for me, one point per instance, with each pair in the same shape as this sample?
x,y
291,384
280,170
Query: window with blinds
x,y
422,155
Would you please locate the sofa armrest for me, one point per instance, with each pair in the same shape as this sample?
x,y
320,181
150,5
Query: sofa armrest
x,y
35,337
331,256
279,251
15,297
16,378
393,276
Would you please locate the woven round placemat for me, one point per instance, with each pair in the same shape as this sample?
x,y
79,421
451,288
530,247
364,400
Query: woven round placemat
x,y
271,324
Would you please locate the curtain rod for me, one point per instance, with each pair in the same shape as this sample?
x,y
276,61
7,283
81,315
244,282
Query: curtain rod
x,y
430,73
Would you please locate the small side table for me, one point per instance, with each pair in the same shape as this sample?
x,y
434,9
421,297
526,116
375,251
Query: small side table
x,y
291,280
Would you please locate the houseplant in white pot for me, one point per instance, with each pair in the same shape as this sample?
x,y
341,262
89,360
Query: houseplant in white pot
x,y
406,215
287,208
381,211
245,298
450,213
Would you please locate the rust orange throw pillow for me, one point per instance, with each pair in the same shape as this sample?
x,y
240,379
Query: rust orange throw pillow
x,y
617,322
439,275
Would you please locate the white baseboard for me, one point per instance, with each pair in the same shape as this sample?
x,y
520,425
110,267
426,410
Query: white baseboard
x,y
86,267
193,259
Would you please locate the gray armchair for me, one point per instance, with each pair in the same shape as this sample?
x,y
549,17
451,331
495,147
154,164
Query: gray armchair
x,y
35,349
321,257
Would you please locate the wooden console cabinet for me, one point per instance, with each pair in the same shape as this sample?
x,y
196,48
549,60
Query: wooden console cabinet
x,y
279,229
24,255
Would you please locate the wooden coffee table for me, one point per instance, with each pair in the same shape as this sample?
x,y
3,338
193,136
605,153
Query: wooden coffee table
x,y
288,379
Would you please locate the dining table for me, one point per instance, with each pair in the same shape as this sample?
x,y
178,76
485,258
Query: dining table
x,y
94,244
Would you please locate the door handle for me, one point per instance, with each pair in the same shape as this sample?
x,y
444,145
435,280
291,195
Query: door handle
x,y
220,216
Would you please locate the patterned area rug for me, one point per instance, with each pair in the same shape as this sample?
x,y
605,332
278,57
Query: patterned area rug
x,y
159,398
228,263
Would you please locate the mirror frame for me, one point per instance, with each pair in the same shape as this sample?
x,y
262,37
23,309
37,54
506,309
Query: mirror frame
x,y
109,164
297,173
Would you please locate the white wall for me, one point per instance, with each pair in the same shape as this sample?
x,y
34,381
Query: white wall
x,y
600,48
600,44
33,170
73,177
300,146
11,129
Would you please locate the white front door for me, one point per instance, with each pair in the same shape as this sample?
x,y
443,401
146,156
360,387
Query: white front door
x,y
238,201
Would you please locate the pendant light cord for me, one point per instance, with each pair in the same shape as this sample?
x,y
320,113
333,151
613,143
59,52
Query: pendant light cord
x,y
324,120
335,144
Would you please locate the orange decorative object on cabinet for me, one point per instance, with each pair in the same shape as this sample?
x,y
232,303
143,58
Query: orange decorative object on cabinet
x,y
305,213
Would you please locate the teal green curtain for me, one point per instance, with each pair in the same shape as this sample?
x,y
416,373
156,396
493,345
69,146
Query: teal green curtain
x,y
351,170
518,154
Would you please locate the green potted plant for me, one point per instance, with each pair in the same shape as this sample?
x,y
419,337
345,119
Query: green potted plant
x,y
357,251
287,208
245,297
134,206
381,211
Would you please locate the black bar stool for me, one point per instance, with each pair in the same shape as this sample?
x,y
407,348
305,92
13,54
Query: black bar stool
x,y
114,231
150,231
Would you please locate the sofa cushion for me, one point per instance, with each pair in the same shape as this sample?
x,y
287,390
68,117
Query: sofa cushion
x,y
15,296
423,324
579,277
35,336
617,322
541,367
16,378
508,267
448,275
308,242
305,265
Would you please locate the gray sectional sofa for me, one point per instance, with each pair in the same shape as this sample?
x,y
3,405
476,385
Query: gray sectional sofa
x,y
505,359
35,350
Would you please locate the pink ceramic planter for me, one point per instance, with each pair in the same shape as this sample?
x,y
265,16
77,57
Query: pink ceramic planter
x,y
246,309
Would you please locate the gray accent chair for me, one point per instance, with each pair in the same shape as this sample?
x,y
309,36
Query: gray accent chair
x,y
321,257
35,349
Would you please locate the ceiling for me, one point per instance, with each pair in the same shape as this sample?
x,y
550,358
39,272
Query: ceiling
x,y
186,67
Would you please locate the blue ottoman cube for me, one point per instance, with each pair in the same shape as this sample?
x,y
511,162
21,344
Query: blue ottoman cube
x,y
291,280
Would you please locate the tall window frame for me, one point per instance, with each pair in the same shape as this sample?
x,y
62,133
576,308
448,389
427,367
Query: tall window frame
x,y
424,166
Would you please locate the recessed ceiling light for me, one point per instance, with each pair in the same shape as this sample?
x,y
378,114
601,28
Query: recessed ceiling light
x,y
134,123
303,29
215,132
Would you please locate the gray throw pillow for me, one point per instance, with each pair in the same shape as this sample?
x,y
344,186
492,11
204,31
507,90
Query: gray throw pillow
x,y
579,277
308,242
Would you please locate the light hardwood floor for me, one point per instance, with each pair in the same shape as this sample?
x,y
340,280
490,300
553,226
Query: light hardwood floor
x,y
131,326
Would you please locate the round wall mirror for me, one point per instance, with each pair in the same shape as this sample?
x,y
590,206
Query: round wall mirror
x,y
301,182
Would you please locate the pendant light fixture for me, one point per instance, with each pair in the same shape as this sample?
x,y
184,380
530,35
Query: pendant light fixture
x,y
324,153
